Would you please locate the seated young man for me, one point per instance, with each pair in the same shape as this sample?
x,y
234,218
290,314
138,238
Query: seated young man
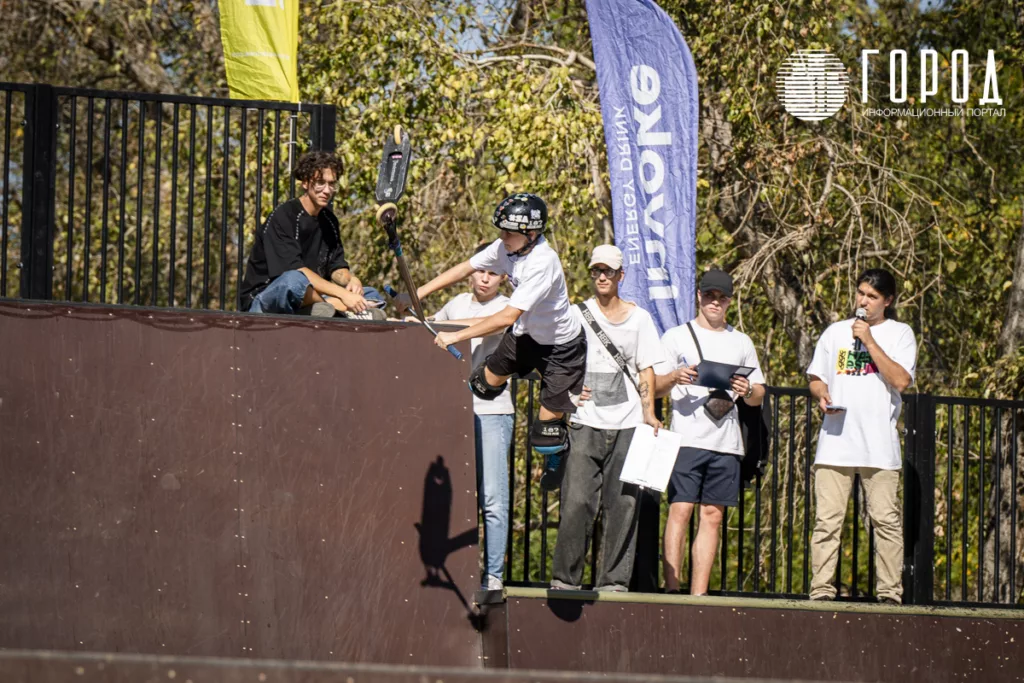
x,y
298,260
541,331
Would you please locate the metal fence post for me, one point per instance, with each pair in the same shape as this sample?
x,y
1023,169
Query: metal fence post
x,y
919,501
322,125
37,224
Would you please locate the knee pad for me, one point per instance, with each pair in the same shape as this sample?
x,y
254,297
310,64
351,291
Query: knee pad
x,y
549,437
479,386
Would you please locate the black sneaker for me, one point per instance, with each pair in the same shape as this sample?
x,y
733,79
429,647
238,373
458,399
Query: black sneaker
x,y
554,469
888,601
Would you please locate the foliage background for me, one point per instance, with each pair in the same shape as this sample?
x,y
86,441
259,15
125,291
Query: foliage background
x,y
501,95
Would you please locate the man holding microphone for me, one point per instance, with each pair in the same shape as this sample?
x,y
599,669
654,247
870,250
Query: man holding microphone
x,y
860,367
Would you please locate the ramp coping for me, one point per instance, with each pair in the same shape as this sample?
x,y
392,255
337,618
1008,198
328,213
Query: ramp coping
x,y
736,602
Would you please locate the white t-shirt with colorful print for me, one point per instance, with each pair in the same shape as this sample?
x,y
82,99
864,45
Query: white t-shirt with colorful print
x,y
865,434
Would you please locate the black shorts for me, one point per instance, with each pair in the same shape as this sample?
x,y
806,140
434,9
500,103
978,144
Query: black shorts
x,y
562,367
708,477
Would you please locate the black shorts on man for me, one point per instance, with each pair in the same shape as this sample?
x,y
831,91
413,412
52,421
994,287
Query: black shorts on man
x,y
562,366
706,477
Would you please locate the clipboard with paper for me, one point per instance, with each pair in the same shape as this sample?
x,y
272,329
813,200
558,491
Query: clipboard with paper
x,y
715,375
650,459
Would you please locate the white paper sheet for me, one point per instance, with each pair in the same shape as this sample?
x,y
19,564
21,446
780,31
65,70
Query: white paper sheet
x,y
650,459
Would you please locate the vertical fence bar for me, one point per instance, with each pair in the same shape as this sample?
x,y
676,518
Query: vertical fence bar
x,y
919,501
206,206
224,214
140,168
158,120
998,476
190,223
172,258
723,552
241,203
949,502
291,153
543,535
1013,507
259,170
963,527
123,185
757,532
514,388
277,163
790,492
69,247
807,492
7,190
739,541
981,505
871,560
38,196
87,232
104,224
527,521
775,491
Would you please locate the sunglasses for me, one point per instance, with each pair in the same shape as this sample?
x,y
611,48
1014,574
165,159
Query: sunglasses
x,y
607,272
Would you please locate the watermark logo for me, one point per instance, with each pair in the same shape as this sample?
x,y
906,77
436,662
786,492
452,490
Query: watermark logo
x,y
812,84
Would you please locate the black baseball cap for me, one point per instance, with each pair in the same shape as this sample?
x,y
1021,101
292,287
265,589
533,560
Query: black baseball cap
x,y
716,279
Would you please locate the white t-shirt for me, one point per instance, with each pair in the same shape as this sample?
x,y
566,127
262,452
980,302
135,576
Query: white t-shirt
x,y
688,415
465,306
539,291
614,402
864,435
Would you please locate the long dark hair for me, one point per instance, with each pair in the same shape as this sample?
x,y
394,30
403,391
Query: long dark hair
x,y
884,283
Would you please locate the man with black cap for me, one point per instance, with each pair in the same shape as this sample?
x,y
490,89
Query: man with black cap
x,y
707,469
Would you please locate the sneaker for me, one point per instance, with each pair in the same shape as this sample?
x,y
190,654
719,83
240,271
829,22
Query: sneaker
x,y
612,588
886,600
368,314
320,309
822,598
492,583
557,585
554,468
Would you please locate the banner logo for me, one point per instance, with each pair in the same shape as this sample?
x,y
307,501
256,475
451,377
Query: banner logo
x,y
812,84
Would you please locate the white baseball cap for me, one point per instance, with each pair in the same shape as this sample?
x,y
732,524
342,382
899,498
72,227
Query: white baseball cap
x,y
608,254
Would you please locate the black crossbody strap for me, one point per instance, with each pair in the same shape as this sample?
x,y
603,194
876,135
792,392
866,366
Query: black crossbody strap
x,y
696,343
607,342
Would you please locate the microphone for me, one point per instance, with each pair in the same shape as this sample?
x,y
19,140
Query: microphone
x,y
860,314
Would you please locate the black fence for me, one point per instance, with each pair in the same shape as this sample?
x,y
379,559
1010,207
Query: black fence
x,y
960,496
132,198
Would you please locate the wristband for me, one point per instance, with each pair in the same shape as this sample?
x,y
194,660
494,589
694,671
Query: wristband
x,y
750,391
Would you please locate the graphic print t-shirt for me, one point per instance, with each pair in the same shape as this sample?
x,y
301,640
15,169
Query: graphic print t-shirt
x,y
614,402
540,291
864,435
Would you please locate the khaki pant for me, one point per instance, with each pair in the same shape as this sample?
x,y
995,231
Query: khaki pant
x,y
832,486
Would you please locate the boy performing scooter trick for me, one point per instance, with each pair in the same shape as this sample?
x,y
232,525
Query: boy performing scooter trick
x,y
541,331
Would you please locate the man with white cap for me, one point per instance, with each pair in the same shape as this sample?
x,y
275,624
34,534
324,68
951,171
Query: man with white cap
x,y
622,349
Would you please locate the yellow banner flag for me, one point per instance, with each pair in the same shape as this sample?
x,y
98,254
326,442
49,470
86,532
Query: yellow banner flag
x,y
261,43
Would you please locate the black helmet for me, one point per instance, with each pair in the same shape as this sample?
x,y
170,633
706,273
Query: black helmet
x,y
521,212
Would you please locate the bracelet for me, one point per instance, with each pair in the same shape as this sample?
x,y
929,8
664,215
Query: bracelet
x,y
750,391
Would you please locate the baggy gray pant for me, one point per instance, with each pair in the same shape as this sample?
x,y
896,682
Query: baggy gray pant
x,y
591,478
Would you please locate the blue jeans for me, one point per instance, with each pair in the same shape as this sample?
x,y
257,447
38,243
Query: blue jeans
x,y
493,436
286,292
